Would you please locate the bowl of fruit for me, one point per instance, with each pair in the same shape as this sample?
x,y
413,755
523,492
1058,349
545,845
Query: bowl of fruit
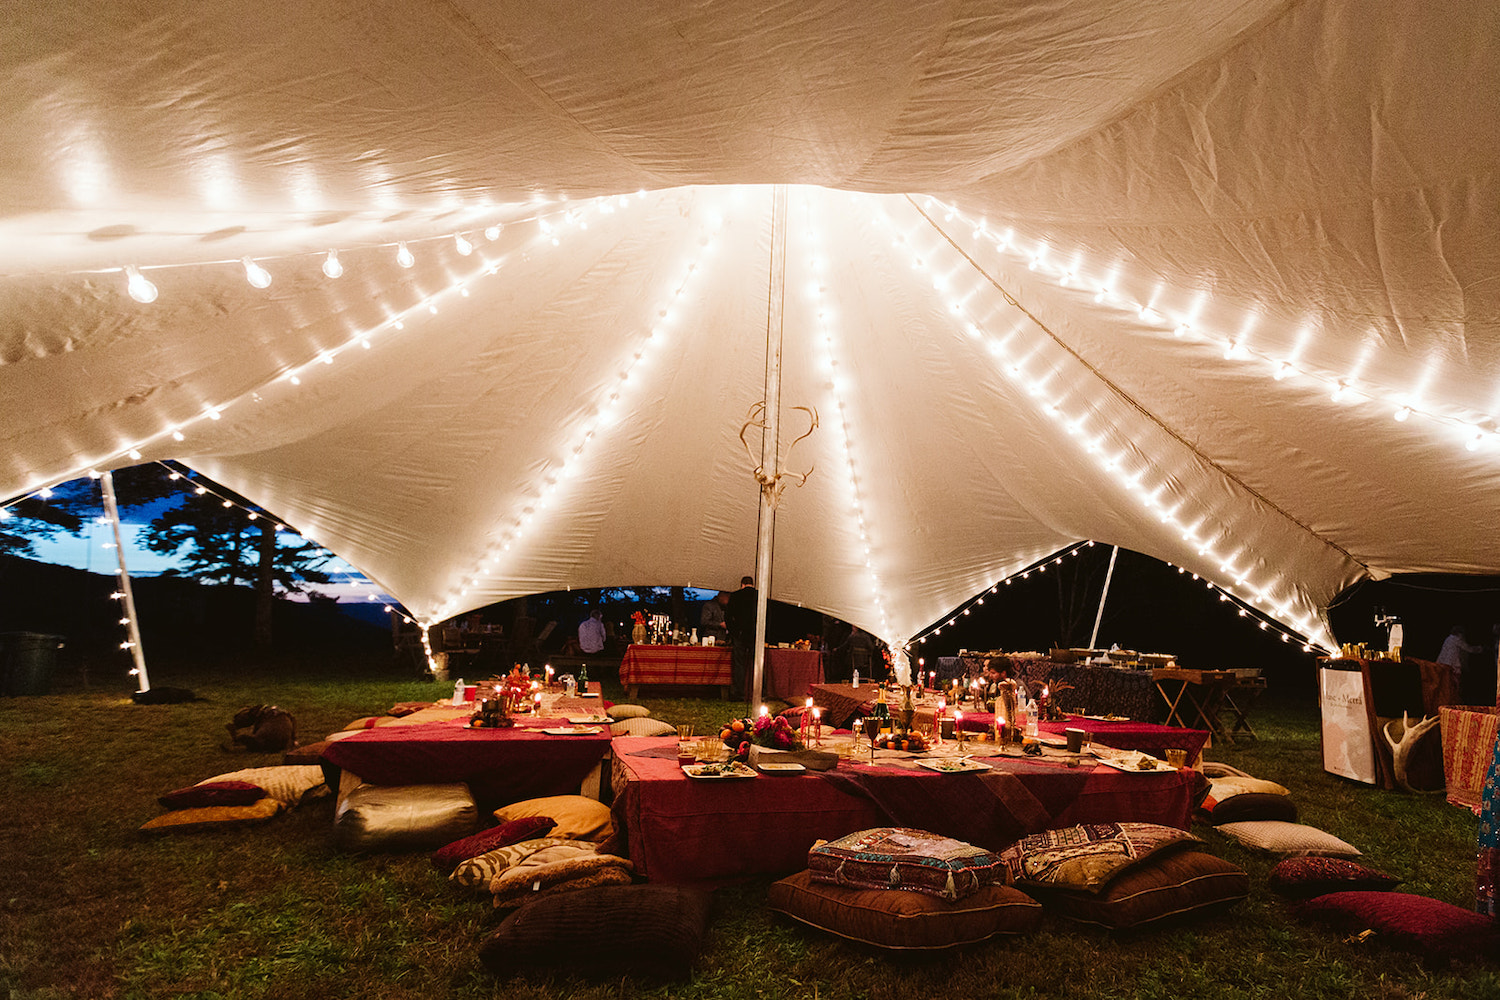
x,y
910,742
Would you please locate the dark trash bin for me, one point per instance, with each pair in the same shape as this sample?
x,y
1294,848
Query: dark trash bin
x,y
27,662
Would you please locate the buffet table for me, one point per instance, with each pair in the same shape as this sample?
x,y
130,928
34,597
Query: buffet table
x,y
1094,689
499,765
647,664
676,829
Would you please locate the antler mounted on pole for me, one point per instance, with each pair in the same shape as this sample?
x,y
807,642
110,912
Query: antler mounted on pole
x,y
773,482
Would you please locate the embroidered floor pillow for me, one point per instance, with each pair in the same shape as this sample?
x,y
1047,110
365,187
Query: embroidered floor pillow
x,y
904,921
1088,856
901,858
290,783
552,871
1164,887
477,872
1306,877
213,793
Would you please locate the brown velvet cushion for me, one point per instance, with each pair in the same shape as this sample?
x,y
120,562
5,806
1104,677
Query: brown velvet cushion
x,y
213,793
1412,923
610,930
1254,806
1304,878
900,858
905,921
448,857
1168,885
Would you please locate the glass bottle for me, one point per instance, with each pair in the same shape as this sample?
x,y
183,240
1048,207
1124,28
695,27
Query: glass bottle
x,y
583,680
881,714
907,711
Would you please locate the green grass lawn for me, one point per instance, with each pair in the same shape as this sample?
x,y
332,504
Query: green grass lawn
x,y
91,908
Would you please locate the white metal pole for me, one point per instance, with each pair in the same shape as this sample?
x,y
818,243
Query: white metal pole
x,y
137,652
770,449
1093,639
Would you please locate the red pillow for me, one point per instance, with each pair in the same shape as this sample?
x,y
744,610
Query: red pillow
x,y
526,828
1429,927
213,793
1304,878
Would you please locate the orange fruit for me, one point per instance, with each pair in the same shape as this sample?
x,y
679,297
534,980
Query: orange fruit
x,y
737,725
725,734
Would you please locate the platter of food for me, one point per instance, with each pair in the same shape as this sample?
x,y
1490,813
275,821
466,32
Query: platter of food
x,y
1137,763
952,765
786,768
584,720
572,730
718,772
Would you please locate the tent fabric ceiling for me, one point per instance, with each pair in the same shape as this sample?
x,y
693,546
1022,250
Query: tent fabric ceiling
x,y
1043,264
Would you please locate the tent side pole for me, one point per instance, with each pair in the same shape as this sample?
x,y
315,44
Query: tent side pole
x,y
770,448
1109,574
137,652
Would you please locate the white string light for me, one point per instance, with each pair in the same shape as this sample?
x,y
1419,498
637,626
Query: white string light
x,y
331,265
255,274
139,288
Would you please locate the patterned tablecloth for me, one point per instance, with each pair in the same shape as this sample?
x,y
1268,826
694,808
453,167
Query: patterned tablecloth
x,y
1095,690
675,665
676,829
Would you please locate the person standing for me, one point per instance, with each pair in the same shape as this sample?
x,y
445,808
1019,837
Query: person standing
x,y
711,619
591,633
739,619
1455,651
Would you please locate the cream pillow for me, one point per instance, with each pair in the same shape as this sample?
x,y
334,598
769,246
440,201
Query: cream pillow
x,y
628,712
577,817
1223,788
289,784
643,727
1287,839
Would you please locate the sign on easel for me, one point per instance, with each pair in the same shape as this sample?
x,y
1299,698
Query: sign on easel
x,y
1348,749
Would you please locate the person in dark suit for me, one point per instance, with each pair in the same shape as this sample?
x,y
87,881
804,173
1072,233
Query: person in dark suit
x,y
739,618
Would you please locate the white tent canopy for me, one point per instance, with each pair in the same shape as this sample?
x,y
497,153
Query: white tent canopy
x,y
1154,272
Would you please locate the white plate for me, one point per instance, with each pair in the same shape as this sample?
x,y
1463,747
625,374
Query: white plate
x,y
947,765
572,730
787,768
718,772
583,720
588,694
1128,765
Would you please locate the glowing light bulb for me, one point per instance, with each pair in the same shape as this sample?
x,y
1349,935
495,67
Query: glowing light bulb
x,y
462,245
331,265
1340,391
1474,442
1401,414
403,255
139,288
255,274
493,232
1282,370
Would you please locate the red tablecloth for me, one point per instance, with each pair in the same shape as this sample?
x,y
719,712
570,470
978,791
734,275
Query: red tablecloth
x,y
791,672
1123,735
676,829
499,765
675,665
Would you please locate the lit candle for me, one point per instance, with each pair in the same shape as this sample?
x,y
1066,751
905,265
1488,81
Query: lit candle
x,y
817,726
806,718
937,721
999,728
958,727
764,711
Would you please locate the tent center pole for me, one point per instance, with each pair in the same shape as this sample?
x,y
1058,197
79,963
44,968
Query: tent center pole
x,y
137,653
770,445
1094,639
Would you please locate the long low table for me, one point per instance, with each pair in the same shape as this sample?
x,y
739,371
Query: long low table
x,y
1094,689
676,829
499,765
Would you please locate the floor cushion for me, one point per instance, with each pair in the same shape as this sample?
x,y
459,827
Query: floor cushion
x,y
289,783
611,930
642,727
1291,839
1167,885
403,817
447,857
1222,788
576,817
1429,927
904,921
902,858
477,872
1253,806
213,793
1087,857
629,712
213,817
1306,877
559,869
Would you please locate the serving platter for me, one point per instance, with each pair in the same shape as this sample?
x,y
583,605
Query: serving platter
x,y
572,730
719,772
950,765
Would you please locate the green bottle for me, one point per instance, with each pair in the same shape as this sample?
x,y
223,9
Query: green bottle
x,y
583,680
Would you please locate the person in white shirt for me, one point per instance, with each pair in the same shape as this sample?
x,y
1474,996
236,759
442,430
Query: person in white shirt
x,y
1452,654
591,634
